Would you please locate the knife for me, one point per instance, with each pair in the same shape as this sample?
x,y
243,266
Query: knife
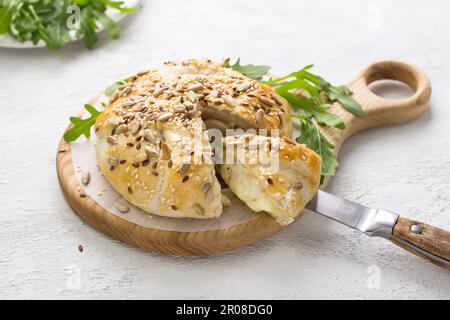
x,y
419,238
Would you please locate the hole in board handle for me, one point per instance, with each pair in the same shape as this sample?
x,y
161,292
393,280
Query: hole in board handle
x,y
391,89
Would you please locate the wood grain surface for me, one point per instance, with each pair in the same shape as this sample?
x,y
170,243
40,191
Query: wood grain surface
x,y
378,111
429,239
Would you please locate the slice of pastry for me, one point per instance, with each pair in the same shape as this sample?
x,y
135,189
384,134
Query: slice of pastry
x,y
152,142
280,177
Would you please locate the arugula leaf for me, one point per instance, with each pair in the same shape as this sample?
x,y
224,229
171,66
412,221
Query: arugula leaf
x,y
250,70
7,9
312,110
118,5
110,25
312,107
313,138
82,126
46,20
112,88
88,27
343,95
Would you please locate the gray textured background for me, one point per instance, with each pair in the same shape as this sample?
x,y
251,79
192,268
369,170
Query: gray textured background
x,y
404,168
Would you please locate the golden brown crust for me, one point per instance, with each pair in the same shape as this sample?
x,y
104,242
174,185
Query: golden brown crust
x,y
146,133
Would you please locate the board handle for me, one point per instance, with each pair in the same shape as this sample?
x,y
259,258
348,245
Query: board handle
x,y
378,110
423,240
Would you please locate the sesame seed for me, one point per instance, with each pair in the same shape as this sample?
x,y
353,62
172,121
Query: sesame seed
x,y
112,161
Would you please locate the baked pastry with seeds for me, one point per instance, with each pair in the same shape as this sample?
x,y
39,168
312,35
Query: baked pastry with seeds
x,y
275,175
146,134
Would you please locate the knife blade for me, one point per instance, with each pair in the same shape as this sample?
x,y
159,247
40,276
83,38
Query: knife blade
x,y
373,222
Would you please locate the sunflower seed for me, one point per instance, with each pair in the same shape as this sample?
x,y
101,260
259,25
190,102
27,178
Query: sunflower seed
x,y
158,91
149,136
196,87
122,129
165,116
277,99
191,96
113,123
85,178
112,140
122,207
260,115
151,152
267,101
134,127
126,90
127,104
229,100
179,109
198,209
206,187
114,97
243,86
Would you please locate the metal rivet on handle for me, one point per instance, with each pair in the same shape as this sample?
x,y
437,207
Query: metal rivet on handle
x,y
415,228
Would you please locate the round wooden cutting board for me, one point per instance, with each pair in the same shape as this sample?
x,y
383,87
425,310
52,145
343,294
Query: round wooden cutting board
x,y
96,202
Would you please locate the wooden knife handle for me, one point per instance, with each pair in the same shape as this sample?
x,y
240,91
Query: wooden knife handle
x,y
423,240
